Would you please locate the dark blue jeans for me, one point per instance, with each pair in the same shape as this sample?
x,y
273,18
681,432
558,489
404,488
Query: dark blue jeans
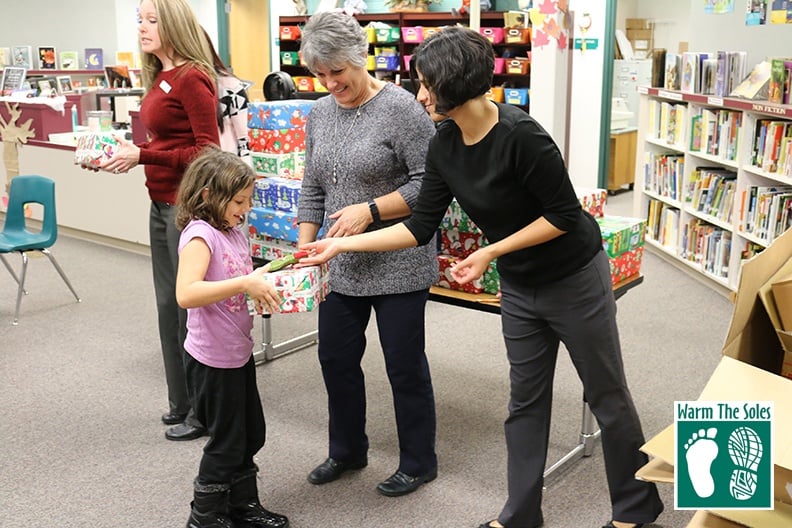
x,y
342,341
227,401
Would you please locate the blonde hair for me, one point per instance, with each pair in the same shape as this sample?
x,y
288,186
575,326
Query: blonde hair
x,y
182,36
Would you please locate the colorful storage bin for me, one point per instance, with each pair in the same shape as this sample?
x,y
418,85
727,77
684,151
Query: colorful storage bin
x,y
500,65
304,84
493,34
518,66
387,62
407,62
516,96
289,32
385,35
517,35
412,34
289,58
496,93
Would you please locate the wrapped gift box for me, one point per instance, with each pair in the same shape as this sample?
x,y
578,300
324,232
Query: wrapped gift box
x,y
626,265
489,282
621,234
268,248
92,150
592,200
280,141
300,290
456,218
263,221
277,193
277,165
279,115
459,243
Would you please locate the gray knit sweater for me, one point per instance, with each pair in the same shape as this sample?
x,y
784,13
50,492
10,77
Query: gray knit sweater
x,y
384,150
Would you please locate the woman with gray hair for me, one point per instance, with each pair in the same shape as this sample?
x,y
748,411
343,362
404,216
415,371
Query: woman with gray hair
x,y
365,151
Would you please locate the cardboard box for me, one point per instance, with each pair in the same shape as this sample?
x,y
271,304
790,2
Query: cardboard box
x,y
637,23
782,294
752,360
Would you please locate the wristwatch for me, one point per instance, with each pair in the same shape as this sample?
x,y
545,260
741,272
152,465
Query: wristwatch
x,y
374,211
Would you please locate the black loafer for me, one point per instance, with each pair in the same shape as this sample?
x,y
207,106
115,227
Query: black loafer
x,y
184,431
400,483
610,525
331,469
173,418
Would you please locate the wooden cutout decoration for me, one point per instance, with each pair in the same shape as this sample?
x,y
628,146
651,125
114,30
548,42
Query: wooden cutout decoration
x,y
12,135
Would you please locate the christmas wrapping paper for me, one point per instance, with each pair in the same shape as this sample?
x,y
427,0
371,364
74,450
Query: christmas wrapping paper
x,y
621,234
300,290
626,265
592,200
92,149
280,141
269,248
288,165
456,218
279,115
277,193
489,282
282,225
460,243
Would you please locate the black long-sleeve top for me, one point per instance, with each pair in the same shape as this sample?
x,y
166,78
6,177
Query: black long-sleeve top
x,y
513,176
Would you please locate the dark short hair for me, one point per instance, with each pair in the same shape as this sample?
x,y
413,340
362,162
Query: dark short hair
x,y
456,64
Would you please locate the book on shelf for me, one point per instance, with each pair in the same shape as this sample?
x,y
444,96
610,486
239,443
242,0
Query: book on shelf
x,y
787,91
755,85
47,58
689,81
672,68
94,59
775,88
69,60
22,56
127,58
709,70
5,57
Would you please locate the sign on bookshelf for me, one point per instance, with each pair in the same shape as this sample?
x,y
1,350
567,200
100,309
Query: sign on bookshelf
x,y
13,78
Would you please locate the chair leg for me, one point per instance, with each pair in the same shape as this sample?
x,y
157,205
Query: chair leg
x,y
21,287
10,270
51,257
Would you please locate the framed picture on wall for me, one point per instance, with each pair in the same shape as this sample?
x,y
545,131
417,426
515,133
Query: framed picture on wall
x,y
47,60
64,84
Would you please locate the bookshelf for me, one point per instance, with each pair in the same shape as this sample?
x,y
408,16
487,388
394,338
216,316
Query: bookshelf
x,y
713,178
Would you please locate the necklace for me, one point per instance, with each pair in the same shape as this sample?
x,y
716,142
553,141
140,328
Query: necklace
x,y
337,143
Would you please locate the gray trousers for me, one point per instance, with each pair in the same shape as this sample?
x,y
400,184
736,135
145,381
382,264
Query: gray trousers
x,y
164,239
579,311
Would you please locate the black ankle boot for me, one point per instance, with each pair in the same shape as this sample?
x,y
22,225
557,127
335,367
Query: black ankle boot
x,y
209,507
244,507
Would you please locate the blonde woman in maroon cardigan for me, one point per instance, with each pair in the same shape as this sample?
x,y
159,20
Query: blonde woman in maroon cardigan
x,y
179,111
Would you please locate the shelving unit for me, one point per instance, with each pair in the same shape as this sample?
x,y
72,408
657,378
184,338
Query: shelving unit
x,y
700,176
493,19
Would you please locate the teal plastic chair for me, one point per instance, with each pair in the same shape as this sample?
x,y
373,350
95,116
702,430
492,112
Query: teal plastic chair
x,y
16,238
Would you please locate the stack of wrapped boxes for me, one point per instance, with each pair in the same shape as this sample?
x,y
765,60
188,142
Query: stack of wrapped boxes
x,y
622,239
276,133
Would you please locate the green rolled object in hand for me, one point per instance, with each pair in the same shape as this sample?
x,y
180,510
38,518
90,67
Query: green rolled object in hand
x,y
288,260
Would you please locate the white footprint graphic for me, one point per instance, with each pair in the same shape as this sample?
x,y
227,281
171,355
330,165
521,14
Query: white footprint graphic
x,y
745,449
701,451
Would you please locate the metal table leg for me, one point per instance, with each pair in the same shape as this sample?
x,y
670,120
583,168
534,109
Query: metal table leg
x,y
589,432
269,351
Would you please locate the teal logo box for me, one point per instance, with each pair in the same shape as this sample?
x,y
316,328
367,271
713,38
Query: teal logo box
x,y
723,455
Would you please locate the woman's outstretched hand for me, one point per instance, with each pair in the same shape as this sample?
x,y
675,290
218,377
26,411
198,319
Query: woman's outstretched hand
x,y
320,251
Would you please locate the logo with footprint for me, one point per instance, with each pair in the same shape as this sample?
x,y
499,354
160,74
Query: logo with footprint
x,y
723,464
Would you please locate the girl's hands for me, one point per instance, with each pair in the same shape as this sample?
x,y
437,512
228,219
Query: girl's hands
x,y
262,292
127,155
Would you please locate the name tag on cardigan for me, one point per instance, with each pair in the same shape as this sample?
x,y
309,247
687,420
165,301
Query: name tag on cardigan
x,y
165,86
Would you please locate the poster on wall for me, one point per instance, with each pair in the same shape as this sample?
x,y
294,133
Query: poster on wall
x,y
781,12
718,7
756,12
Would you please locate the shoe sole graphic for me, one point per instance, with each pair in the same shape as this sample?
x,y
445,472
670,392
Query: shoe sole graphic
x,y
701,450
745,449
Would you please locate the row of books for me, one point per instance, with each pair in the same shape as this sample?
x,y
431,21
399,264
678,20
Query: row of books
x,y
711,191
716,132
663,174
47,58
708,73
708,246
766,211
668,121
772,146
662,224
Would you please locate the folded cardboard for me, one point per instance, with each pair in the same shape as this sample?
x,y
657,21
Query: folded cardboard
x,y
782,294
749,370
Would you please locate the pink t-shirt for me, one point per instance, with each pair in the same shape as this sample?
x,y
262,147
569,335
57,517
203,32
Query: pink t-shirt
x,y
219,334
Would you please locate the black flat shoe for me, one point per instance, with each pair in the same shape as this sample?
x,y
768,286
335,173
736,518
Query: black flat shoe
x,y
331,469
610,525
183,431
173,418
400,483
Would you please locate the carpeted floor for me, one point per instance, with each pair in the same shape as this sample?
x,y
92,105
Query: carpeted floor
x,y
82,389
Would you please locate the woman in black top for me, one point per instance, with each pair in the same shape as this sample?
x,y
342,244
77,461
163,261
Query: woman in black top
x,y
509,177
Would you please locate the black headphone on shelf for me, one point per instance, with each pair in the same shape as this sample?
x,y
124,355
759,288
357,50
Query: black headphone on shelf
x,y
279,86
